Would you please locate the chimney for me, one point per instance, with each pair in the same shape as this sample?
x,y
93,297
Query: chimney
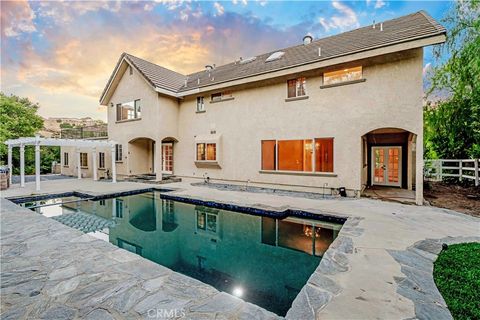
x,y
381,26
373,24
208,67
307,39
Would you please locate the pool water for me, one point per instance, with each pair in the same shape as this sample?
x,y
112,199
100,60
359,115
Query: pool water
x,y
262,260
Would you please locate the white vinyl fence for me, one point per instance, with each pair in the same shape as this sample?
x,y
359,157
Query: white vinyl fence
x,y
435,170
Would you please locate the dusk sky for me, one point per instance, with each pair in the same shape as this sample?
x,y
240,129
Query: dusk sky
x,y
61,54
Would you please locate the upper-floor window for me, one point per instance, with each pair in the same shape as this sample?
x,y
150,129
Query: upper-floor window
x,y
101,160
224,95
200,104
298,155
83,159
344,75
129,110
65,158
118,152
206,152
297,87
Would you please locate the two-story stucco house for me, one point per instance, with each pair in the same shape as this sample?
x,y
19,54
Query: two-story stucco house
x,y
342,111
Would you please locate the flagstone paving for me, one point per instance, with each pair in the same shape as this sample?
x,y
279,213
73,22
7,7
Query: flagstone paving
x,y
379,266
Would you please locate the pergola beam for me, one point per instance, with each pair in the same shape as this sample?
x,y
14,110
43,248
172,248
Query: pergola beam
x,y
37,141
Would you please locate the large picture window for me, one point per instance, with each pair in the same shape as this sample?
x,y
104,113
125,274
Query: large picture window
x,y
296,87
306,155
344,75
129,110
206,152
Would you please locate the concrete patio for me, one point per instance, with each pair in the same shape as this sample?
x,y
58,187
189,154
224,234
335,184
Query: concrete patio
x,y
357,279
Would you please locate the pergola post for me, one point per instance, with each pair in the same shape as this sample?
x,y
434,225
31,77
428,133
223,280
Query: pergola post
x,y
10,167
22,165
79,169
114,166
37,166
94,163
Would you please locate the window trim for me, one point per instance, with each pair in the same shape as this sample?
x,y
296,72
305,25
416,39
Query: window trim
x,y
296,96
135,111
118,153
293,172
206,143
100,155
66,157
222,96
329,85
86,160
203,105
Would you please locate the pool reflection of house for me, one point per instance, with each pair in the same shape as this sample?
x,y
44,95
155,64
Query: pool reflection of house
x,y
222,248
343,111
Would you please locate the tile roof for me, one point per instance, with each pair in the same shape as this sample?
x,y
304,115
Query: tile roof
x,y
403,29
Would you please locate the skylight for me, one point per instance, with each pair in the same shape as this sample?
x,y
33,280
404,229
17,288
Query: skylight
x,y
275,56
247,60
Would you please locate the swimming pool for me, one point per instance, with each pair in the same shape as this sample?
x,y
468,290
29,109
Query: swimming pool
x,y
263,260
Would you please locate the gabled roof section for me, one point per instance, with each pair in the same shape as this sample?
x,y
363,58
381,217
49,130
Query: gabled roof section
x,y
160,78
409,28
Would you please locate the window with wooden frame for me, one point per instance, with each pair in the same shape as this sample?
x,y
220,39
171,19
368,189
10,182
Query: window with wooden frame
x,y
129,110
200,104
101,160
297,87
224,95
83,159
65,159
206,152
343,75
308,155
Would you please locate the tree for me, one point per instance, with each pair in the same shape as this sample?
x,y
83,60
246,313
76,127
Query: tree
x,y
452,125
18,118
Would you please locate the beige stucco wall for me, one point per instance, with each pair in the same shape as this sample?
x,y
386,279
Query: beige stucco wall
x,y
159,120
87,172
391,96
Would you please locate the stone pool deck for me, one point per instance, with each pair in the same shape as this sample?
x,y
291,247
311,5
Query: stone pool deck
x,y
378,267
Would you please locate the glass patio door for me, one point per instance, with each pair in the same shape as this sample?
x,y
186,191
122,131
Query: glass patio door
x,y
386,166
167,158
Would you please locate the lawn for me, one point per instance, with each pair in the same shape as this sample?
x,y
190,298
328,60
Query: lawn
x,y
457,276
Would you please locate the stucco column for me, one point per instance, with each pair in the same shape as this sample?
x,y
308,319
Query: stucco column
x,y
419,169
10,167
158,160
79,169
114,165
22,165
94,163
37,166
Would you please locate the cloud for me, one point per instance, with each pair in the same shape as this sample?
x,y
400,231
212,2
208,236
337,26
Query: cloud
x,y
345,19
16,18
219,8
426,69
379,4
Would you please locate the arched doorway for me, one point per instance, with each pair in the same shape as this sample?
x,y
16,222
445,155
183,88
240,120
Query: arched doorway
x,y
141,156
167,155
389,159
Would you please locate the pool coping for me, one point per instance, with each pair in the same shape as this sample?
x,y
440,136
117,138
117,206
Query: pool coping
x,y
319,289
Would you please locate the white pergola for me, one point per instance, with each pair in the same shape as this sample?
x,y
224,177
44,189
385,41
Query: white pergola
x,y
37,141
